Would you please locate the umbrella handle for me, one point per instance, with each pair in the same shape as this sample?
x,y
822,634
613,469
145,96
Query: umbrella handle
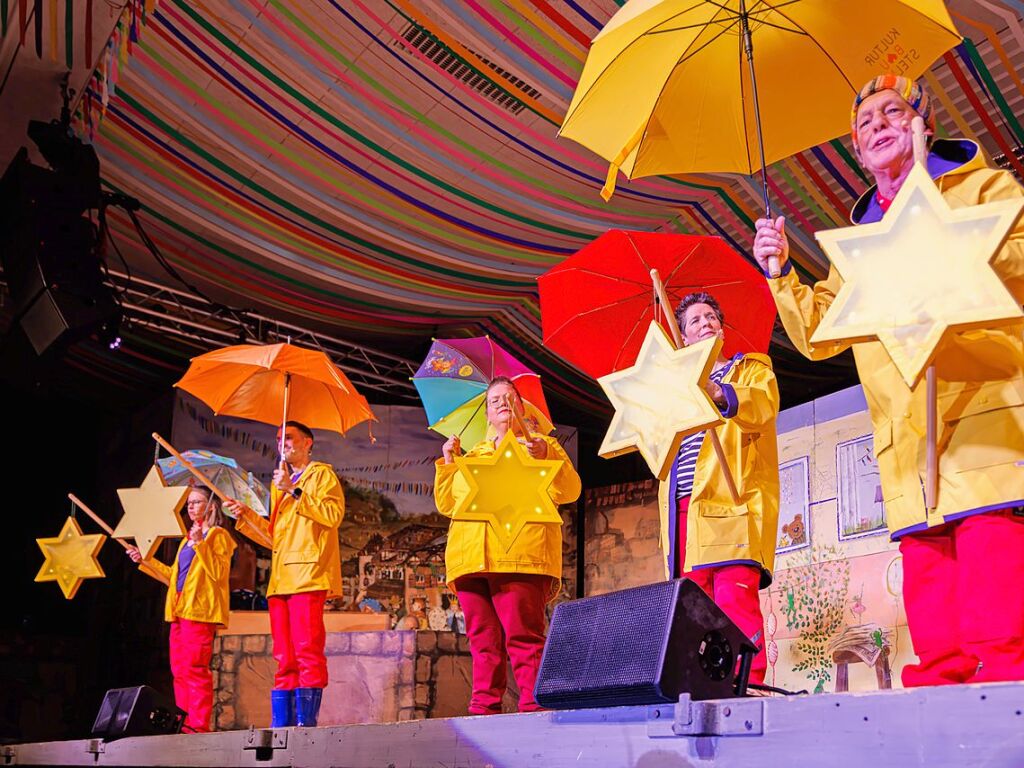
x,y
284,414
188,465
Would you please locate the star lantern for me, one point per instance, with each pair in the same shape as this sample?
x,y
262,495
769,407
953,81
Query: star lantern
x,y
70,558
921,272
151,513
660,400
508,490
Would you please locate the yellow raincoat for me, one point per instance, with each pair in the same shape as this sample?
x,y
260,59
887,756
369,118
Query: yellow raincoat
x,y
980,375
717,530
205,594
473,549
305,555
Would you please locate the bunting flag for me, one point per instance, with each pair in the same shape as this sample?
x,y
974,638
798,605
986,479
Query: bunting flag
x,y
384,170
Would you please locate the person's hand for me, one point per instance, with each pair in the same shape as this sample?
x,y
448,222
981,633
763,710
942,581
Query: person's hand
x,y
237,508
452,447
537,447
195,534
283,478
770,242
134,554
715,392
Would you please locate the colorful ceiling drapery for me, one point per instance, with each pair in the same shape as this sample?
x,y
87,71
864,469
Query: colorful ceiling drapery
x,y
389,168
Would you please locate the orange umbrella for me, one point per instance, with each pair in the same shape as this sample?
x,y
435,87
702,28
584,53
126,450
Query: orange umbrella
x,y
275,382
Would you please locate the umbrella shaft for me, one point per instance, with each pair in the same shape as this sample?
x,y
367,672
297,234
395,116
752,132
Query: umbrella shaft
x,y
748,48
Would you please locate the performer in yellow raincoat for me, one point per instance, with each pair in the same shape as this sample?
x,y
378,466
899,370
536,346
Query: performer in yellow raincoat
x,y
963,563
727,548
197,603
503,593
307,506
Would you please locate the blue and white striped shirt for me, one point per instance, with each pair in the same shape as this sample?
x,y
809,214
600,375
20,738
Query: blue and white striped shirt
x,y
685,464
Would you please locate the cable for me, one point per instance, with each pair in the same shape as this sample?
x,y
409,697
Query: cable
x,y
773,689
130,206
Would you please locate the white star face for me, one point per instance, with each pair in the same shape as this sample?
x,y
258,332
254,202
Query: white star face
x,y
920,273
660,400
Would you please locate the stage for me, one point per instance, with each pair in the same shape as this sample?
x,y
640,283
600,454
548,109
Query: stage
x,y
979,725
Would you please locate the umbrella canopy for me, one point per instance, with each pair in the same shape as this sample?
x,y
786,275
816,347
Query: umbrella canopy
x,y
666,87
453,379
223,472
275,382
597,304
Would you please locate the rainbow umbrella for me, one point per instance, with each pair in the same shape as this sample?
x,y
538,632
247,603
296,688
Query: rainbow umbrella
x,y
453,379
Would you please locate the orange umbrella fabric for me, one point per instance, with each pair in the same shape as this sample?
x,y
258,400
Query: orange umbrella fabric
x,y
259,382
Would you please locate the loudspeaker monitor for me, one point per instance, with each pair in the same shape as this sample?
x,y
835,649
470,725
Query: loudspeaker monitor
x,y
644,645
138,711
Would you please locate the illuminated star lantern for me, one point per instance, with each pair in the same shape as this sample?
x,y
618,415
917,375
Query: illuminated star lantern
x,y
508,490
70,558
923,271
660,400
151,513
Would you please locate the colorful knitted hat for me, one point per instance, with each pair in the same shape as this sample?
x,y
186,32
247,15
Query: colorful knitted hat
x,y
911,91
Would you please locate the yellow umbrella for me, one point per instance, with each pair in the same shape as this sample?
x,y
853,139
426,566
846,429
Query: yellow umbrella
x,y
674,86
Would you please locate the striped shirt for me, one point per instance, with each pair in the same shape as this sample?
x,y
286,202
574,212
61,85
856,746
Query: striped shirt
x,y
685,464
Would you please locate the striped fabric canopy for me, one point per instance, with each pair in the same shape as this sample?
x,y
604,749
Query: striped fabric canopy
x,y
388,170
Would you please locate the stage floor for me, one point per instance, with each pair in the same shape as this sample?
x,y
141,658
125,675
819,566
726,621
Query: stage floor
x,y
979,725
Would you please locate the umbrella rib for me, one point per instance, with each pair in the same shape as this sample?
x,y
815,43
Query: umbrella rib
x,y
622,348
595,273
681,263
813,40
578,315
616,57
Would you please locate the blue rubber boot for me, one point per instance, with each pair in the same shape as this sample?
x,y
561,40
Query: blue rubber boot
x,y
282,708
307,706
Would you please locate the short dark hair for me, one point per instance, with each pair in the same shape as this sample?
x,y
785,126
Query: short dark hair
x,y
301,427
698,297
502,380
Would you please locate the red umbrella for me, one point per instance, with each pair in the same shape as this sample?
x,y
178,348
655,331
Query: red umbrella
x,y
596,305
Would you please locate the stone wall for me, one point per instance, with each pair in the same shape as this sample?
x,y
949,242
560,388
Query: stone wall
x,y
621,547
376,677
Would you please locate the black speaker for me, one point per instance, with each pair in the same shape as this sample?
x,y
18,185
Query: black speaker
x,y
644,645
51,260
138,711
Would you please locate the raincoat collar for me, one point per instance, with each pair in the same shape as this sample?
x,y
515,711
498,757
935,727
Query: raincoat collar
x,y
947,156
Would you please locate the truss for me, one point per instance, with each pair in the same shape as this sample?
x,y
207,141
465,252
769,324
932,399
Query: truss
x,y
194,320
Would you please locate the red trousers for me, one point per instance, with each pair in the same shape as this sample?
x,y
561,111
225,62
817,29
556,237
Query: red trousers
x,y
734,588
191,646
297,626
504,612
963,589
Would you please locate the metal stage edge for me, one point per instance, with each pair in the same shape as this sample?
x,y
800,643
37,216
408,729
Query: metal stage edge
x,y
963,725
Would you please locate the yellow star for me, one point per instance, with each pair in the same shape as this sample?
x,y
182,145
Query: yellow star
x,y
923,271
660,400
70,558
508,490
151,513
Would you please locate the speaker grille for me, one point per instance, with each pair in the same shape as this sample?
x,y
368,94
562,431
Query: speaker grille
x,y
610,647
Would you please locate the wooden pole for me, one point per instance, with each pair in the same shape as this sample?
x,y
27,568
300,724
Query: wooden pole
x,y
931,481
97,519
931,484
677,337
188,465
110,532
519,421
666,307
